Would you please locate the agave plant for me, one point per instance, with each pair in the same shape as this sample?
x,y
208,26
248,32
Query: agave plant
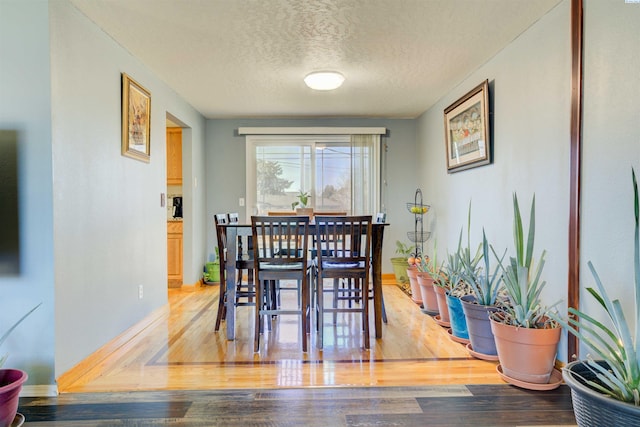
x,y
485,284
8,332
461,260
521,280
429,265
617,345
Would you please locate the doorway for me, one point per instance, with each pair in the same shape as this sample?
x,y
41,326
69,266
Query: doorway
x,y
175,228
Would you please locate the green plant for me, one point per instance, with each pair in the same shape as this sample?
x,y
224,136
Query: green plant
x,y
303,199
405,250
485,284
430,265
458,261
522,282
8,332
615,345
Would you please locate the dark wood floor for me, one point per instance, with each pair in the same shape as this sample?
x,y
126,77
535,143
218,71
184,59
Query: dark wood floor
x,y
456,405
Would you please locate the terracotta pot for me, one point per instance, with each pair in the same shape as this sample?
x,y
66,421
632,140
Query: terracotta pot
x,y
478,325
457,319
11,381
429,299
443,308
412,272
526,354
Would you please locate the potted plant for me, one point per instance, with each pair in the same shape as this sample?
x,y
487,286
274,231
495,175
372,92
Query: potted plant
x,y
457,262
412,271
400,264
526,336
300,205
211,272
606,390
11,381
485,285
428,273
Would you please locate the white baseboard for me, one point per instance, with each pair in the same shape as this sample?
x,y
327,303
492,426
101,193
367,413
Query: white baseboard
x,y
40,390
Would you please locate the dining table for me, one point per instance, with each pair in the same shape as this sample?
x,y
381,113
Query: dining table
x,y
236,230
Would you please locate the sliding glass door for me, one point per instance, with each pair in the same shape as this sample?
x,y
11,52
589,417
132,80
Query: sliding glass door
x,y
340,173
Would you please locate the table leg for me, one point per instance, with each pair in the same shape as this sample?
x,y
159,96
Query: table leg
x,y
376,242
231,246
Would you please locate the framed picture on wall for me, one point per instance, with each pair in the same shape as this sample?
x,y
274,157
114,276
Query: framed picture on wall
x,y
136,120
466,126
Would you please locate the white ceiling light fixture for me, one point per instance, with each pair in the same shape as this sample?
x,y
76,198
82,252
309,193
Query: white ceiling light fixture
x,y
324,80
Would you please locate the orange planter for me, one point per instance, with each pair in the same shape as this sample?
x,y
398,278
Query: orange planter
x,y
416,296
429,299
526,354
443,308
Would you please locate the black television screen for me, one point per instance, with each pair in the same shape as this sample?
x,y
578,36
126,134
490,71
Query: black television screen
x,y
9,209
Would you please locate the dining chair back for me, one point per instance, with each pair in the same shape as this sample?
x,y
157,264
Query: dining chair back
x,y
280,253
343,254
245,292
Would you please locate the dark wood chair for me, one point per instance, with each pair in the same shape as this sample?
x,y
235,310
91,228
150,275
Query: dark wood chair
x,y
245,291
343,250
280,253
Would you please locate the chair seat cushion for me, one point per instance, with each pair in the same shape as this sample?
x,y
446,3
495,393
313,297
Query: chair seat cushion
x,y
288,266
335,264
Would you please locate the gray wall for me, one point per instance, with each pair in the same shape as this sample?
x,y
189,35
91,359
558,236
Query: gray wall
x,y
109,226
530,88
97,211
225,153
611,146
530,96
25,106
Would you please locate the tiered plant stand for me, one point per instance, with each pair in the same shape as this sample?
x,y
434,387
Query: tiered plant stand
x,y
418,236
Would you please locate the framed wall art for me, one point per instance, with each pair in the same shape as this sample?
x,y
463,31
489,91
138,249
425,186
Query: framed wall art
x,y
136,120
466,125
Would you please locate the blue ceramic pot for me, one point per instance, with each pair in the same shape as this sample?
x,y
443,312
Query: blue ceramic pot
x,y
456,317
479,326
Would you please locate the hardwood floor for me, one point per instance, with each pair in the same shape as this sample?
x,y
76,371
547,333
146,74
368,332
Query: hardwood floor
x,y
180,350
178,371
473,405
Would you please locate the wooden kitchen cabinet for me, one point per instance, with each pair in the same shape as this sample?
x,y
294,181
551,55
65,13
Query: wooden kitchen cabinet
x,y
174,253
174,156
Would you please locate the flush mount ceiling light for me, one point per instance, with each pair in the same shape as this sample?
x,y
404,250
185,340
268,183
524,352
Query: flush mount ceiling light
x,y
324,80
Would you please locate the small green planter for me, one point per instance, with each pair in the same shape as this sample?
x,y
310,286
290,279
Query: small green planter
x,y
400,270
212,272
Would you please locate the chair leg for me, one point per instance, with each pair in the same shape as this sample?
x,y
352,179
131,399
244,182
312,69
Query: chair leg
x,y
365,317
258,319
320,303
222,306
336,290
384,311
250,287
304,302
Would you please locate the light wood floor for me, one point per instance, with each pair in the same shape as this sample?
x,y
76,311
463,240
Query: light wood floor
x,y
179,350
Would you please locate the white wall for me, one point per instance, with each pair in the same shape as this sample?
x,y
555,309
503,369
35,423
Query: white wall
x,y
530,95
109,226
25,106
611,147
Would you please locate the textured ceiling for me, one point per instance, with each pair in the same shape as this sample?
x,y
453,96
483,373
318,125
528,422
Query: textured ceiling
x,y
247,58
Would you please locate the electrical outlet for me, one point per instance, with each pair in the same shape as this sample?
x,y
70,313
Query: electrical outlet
x,y
140,292
241,201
